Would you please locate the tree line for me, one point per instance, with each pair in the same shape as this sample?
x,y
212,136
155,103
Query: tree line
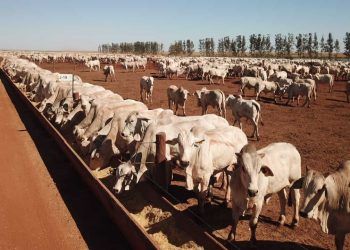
x,y
135,48
258,45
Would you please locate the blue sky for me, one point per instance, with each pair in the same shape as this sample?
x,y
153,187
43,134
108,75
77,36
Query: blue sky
x,y
82,25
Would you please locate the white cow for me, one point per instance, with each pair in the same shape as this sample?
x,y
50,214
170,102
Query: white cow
x,y
325,78
267,87
93,65
108,70
249,109
219,73
146,88
208,154
116,140
298,90
214,98
178,97
145,153
327,199
249,82
258,176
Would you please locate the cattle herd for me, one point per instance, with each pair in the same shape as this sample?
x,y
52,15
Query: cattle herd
x,y
106,126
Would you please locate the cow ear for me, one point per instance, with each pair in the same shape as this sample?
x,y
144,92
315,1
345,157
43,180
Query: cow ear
x,y
91,101
298,184
239,155
266,171
172,142
200,141
140,173
261,155
324,189
145,119
137,137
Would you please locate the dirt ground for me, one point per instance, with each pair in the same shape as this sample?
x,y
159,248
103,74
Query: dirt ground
x,y
320,133
43,203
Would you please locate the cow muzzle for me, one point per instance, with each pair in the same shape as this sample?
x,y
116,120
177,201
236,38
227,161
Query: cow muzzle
x,y
184,164
252,193
303,214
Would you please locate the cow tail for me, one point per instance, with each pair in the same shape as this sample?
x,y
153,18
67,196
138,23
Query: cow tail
x,y
223,104
290,200
259,111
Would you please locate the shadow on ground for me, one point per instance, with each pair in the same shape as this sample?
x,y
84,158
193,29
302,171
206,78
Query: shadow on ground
x,y
89,215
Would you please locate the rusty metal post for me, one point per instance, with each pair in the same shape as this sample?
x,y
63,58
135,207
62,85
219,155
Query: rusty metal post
x,y
162,172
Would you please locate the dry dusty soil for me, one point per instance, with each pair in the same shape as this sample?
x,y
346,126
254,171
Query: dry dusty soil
x,y
320,133
43,203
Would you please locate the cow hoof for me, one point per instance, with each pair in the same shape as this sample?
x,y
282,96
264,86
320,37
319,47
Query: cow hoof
x,y
295,223
281,220
224,204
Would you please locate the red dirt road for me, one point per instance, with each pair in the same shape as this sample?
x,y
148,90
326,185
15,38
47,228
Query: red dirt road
x,y
320,133
32,213
43,202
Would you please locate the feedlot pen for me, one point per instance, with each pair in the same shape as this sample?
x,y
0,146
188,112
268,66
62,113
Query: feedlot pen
x,y
319,134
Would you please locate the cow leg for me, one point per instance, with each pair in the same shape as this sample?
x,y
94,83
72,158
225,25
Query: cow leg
x,y
306,101
315,93
176,108
228,187
183,110
253,223
236,213
339,240
288,101
220,111
256,130
203,193
298,100
283,201
169,103
296,202
240,123
141,96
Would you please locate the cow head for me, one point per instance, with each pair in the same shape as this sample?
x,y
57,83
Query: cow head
x,y
134,123
198,94
251,168
86,104
314,186
125,175
230,100
187,144
102,154
184,93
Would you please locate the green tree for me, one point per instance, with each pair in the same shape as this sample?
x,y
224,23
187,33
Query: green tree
x,y
323,45
309,45
330,45
243,46
189,47
336,47
234,47
299,45
347,44
315,45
